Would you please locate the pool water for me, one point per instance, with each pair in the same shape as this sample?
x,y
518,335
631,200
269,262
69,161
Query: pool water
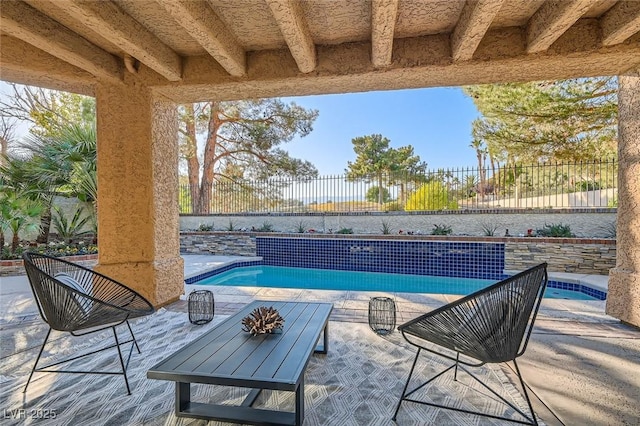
x,y
327,279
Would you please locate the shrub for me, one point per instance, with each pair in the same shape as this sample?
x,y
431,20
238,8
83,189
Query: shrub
x,y
70,230
386,228
555,230
266,227
205,228
489,229
301,227
431,196
373,194
393,206
441,230
231,226
345,231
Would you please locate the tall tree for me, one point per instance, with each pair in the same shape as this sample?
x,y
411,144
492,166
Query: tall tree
x,y
376,159
241,141
569,120
48,111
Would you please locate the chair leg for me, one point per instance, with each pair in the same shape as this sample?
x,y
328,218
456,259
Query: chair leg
x,y
406,396
133,337
124,369
37,359
526,394
455,371
406,385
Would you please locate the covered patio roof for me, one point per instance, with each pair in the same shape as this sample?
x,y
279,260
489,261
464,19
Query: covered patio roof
x,y
193,50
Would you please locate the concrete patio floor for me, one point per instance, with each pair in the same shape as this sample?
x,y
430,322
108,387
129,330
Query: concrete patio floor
x,y
582,366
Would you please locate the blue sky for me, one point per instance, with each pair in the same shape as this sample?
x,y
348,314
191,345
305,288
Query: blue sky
x,y
437,122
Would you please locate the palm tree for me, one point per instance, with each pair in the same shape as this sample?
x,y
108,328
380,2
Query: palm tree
x,y
18,213
63,164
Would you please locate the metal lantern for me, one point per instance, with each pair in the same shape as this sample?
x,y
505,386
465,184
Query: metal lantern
x,y
201,307
382,315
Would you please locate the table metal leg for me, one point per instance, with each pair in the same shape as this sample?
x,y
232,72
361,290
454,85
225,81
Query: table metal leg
x,y
183,396
325,341
300,403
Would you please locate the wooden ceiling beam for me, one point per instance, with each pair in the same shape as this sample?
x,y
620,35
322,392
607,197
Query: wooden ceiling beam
x,y
475,20
109,21
620,23
27,24
552,20
24,63
202,23
293,26
383,24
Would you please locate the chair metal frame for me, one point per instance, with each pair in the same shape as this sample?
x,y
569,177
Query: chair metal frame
x,y
97,303
492,325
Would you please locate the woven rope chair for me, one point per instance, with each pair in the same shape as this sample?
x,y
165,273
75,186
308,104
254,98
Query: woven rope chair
x,y
80,301
492,325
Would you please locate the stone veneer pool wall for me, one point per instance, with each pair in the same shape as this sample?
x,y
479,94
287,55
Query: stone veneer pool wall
x,y
574,255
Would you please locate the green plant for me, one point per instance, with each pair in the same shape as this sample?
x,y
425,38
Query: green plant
x,y
205,228
18,214
345,231
301,227
393,206
441,230
587,185
489,229
386,228
69,230
373,194
555,230
231,226
431,196
612,203
266,227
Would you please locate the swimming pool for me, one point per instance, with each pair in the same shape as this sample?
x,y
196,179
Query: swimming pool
x,y
329,279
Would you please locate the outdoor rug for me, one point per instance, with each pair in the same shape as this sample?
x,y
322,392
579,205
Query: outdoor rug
x,y
357,383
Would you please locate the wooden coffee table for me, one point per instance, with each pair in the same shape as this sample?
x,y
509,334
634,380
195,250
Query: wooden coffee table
x,y
228,356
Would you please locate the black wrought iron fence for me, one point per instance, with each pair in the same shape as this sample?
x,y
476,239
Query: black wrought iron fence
x,y
544,185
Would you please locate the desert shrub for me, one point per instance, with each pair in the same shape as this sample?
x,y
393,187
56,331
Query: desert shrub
x,y
555,230
393,206
441,230
345,231
489,229
431,196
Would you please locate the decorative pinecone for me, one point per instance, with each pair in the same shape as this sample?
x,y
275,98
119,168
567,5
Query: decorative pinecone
x,y
262,320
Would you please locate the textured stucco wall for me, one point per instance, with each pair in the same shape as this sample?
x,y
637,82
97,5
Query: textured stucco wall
x,y
137,191
585,224
624,280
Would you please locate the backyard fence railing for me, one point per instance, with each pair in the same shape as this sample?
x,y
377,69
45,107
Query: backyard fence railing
x,y
590,184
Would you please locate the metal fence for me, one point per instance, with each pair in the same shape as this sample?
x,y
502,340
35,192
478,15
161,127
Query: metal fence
x,y
514,186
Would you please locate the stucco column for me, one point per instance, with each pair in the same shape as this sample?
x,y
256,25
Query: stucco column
x,y
138,223
623,300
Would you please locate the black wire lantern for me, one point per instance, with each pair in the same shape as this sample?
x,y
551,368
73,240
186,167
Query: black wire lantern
x,y
382,315
201,307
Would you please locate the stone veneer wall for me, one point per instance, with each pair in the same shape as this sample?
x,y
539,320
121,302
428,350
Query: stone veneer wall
x,y
573,255
15,267
565,255
585,256
218,243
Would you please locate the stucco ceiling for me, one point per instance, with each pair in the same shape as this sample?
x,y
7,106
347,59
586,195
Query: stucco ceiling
x,y
197,49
